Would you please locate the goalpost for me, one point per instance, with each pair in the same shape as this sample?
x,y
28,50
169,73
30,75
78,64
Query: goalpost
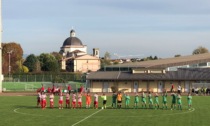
x,y
30,87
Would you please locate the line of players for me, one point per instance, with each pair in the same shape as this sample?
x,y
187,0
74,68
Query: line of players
x,y
117,98
176,98
76,100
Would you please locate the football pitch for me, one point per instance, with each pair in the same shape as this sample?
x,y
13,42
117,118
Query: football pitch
x,y
22,111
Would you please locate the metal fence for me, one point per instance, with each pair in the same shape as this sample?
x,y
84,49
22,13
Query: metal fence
x,y
43,77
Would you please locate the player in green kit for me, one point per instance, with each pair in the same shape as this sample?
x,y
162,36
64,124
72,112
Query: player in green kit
x,y
189,100
114,100
143,100
127,100
156,101
173,102
164,95
179,102
150,100
136,100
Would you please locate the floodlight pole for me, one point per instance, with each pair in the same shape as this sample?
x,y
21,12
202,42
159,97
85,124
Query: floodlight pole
x,y
1,76
9,68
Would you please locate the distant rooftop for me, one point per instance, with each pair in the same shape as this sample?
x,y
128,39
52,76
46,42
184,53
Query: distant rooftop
x,y
167,62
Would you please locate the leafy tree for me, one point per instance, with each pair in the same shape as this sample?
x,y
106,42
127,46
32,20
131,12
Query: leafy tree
x,y
25,69
14,50
150,58
107,56
177,55
106,60
48,62
37,66
200,50
155,58
58,57
31,62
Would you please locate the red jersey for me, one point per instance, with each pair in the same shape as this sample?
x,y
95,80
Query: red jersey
x,y
81,89
42,89
48,90
69,88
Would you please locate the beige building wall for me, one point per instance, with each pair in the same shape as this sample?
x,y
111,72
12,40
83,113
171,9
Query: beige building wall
x,y
176,83
125,85
97,87
63,64
167,85
182,83
110,85
142,86
85,65
153,86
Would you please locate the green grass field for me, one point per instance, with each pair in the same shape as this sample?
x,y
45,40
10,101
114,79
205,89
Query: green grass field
x,y
21,86
22,111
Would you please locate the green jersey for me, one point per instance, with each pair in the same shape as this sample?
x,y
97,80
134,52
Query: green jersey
x,y
136,99
179,100
173,98
150,98
127,99
143,98
165,98
156,100
114,98
189,99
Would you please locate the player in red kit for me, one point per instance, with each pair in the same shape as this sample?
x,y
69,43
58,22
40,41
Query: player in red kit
x,y
43,100
42,88
69,88
51,100
67,100
79,104
61,101
81,89
38,99
73,100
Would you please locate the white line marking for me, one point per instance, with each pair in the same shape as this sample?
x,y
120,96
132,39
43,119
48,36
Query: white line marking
x,y
86,117
108,116
15,110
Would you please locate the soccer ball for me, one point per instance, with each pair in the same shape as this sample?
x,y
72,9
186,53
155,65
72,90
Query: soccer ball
x,y
102,107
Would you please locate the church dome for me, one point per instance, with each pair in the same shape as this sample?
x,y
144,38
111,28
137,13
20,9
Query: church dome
x,y
72,40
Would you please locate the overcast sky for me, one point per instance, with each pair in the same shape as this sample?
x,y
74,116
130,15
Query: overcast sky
x,y
127,27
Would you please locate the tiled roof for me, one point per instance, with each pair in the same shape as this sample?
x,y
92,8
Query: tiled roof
x,y
181,74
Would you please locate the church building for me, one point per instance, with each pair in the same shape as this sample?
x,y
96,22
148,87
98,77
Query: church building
x,y
75,57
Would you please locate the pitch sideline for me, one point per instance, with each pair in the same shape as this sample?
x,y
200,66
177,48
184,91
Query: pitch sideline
x,y
193,109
